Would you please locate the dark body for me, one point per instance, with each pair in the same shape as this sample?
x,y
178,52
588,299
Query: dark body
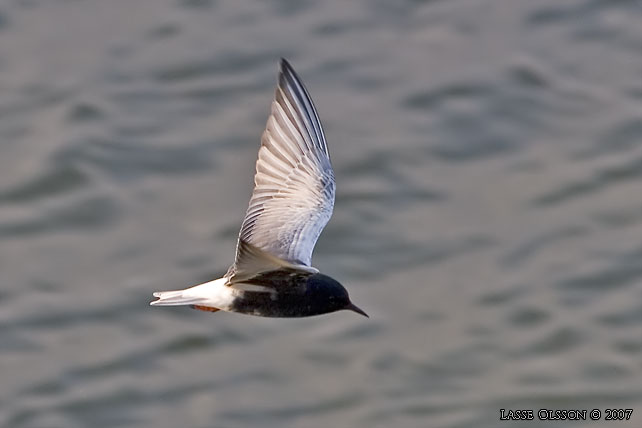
x,y
292,294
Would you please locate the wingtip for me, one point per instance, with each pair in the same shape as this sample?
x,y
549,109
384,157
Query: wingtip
x,y
287,71
284,64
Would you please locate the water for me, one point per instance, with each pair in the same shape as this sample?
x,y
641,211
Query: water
x,y
488,157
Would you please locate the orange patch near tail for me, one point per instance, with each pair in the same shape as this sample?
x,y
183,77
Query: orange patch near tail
x,y
205,308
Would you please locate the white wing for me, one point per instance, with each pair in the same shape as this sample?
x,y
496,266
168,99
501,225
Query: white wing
x,y
294,183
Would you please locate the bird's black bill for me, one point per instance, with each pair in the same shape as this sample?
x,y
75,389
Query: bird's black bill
x,y
355,308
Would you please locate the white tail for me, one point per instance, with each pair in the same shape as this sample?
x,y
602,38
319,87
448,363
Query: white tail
x,y
214,294
175,298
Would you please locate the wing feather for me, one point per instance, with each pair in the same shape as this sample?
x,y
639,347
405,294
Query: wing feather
x,y
294,183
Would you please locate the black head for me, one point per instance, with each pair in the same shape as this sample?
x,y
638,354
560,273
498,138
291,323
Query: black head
x,y
328,295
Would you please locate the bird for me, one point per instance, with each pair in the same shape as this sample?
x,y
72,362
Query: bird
x,y
292,201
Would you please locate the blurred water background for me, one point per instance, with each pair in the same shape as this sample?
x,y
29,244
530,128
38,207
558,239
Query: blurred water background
x,y
488,156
